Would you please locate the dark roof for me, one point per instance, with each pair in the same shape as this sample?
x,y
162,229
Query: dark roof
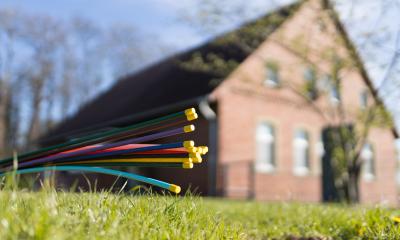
x,y
188,75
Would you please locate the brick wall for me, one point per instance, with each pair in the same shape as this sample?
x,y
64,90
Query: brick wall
x,y
382,188
243,101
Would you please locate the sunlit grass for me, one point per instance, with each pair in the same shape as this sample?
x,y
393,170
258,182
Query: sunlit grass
x,y
48,214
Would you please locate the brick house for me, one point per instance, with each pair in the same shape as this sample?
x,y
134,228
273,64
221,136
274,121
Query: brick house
x,y
258,115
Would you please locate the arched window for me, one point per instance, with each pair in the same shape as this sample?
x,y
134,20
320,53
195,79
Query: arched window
x,y
368,158
265,147
301,152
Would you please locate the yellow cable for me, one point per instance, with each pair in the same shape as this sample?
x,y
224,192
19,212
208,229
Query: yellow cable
x,y
133,160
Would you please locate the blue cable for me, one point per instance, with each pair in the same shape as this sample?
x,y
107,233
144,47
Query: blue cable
x,y
152,181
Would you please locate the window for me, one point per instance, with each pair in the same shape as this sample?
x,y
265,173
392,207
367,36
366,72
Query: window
x,y
368,158
397,146
310,76
319,152
320,149
272,75
364,99
265,147
334,93
301,153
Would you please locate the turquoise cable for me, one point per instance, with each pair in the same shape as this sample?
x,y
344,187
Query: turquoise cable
x,y
152,181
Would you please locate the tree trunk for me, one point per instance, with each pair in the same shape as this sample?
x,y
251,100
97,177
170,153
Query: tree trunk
x,y
34,129
353,185
2,125
4,105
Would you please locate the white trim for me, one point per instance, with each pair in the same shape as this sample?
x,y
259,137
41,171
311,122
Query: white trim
x,y
265,136
368,157
301,171
301,145
265,168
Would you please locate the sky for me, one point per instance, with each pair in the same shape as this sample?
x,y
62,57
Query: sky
x,y
162,19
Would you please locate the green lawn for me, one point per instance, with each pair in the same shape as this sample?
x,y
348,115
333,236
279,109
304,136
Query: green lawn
x,y
58,215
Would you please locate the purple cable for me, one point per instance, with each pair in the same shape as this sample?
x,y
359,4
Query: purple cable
x,y
105,146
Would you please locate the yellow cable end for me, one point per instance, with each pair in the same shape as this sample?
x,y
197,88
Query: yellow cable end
x,y
204,149
190,111
188,128
188,144
192,117
200,150
196,158
187,165
192,149
175,188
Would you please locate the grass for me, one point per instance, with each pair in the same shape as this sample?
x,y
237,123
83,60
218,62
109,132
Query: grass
x,y
48,214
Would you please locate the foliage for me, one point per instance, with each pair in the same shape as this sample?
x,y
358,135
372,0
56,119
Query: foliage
x,y
310,86
380,116
222,55
103,215
211,64
273,65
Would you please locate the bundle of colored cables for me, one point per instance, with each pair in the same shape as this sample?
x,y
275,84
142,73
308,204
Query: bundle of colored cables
x,y
126,146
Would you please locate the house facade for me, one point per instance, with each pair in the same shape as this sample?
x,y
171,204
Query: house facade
x,y
256,113
264,112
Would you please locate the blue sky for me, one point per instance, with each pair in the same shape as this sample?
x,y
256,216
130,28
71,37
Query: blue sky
x,y
160,19
151,16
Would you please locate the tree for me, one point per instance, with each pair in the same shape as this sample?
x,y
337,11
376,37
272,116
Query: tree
x,y
9,79
42,35
49,68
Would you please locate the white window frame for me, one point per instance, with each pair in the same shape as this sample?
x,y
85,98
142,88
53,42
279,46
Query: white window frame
x,y
267,165
369,161
301,163
319,153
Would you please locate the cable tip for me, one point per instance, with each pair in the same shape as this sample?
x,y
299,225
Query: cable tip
x,y
196,158
191,117
190,111
187,165
204,149
175,188
188,128
188,144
